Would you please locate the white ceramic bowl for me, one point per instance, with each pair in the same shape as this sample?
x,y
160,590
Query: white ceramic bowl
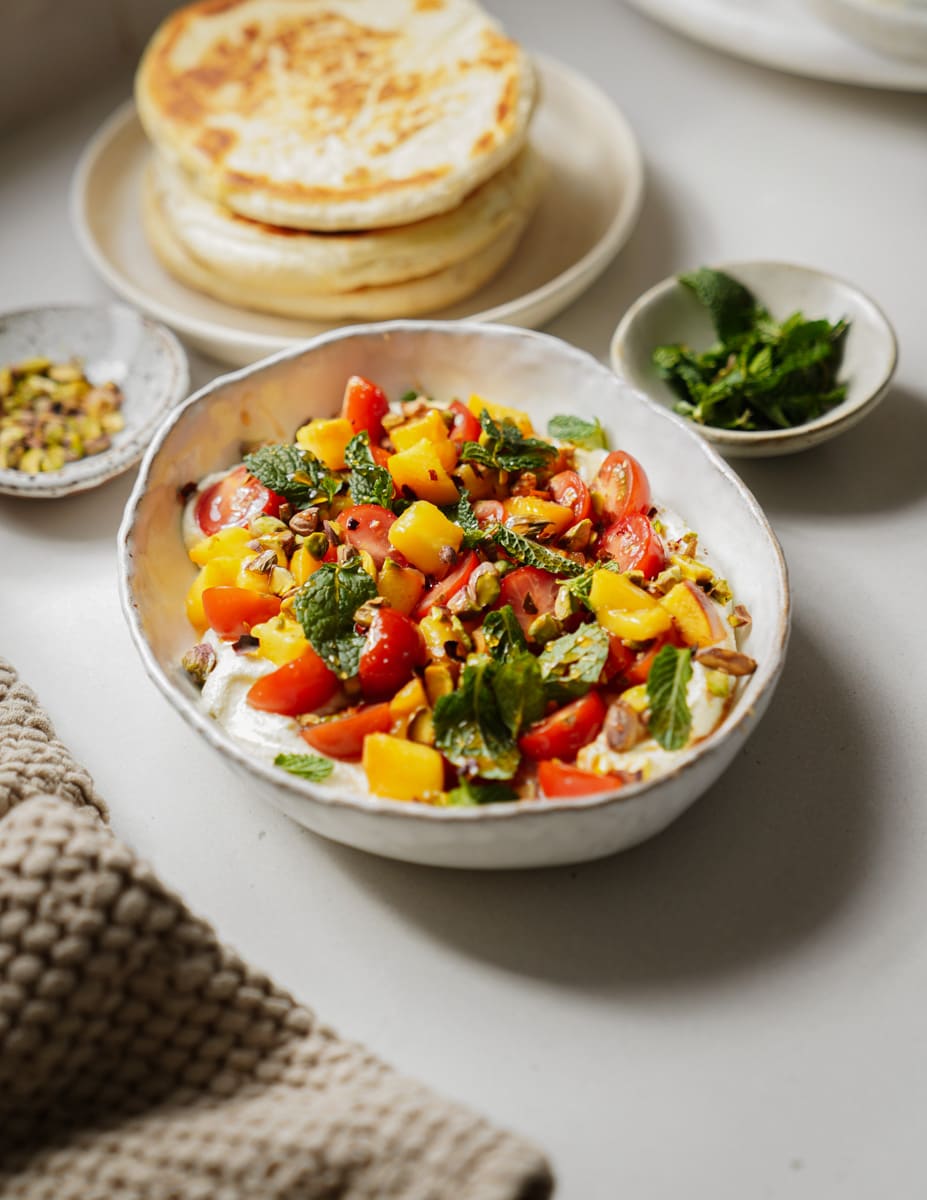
x,y
512,366
894,27
113,343
670,313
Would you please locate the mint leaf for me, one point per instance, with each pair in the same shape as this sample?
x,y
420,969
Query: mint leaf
x,y
470,729
293,473
307,766
533,554
368,483
462,514
502,633
573,663
469,794
519,694
731,306
588,435
670,718
325,606
506,448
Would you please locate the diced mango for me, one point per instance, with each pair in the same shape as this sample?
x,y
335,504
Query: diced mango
x,y
254,581
439,681
326,439
227,543
420,533
555,518
613,591
215,573
408,700
430,426
635,625
401,769
499,412
479,487
281,639
400,587
302,564
698,619
636,697
421,469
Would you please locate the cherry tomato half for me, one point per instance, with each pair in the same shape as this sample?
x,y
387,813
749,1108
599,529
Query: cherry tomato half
x,y
366,527
635,545
569,490
365,406
558,779
235,500
343,736
448,587
623,486
531,592
466,427
639,669
565,731
231,611
391,651
297,687
489,512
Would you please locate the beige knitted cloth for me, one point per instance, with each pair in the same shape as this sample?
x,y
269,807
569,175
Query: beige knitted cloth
x,y
142,1060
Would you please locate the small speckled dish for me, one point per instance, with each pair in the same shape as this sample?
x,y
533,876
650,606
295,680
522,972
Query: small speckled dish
x,y
111,342
670,312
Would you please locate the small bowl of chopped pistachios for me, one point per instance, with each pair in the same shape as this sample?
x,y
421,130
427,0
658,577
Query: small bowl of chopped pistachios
x,y
762,358
82,390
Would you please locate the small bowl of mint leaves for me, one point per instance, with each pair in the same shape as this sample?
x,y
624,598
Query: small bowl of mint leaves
x,y
763,358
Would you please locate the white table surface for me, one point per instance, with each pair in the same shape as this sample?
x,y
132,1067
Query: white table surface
x,y
735,1009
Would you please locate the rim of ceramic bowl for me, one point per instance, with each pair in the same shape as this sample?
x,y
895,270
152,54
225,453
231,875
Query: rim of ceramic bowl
x,y
845,415
766,677
98,469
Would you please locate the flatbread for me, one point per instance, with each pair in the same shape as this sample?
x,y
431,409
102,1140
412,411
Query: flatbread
x,y
412,298
335,114
292,262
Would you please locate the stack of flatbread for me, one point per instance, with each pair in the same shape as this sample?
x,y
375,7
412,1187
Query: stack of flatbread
x,y
336,158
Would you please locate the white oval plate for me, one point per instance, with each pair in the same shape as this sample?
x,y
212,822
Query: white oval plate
x,y
589,207
784,34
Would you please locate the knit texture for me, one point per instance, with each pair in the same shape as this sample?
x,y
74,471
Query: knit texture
x,y
142,1060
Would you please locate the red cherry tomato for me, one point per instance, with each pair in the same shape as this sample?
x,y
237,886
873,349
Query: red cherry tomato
x,y
366,527
448,587
620,658
635,545
466,427
639,669
489,512
557,779
231,611
391,651
565,731
381,457
569,490
343,736
235,500
365,406
623,485
531,592
297,687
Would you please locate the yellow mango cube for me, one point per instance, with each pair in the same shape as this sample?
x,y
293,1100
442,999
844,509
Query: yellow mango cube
x,y
408,700
635,625
430,426
400,587
326,439
555,518
227,543
280,640
401,769
302,564
697,618
479,487
420,533
420,469
500,412
611,591
216,572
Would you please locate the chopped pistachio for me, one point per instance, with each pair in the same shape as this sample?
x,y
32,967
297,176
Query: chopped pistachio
x,y
198,662
545,628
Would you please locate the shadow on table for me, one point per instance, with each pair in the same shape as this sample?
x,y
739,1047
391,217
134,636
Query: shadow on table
x,y
876,467
768,857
